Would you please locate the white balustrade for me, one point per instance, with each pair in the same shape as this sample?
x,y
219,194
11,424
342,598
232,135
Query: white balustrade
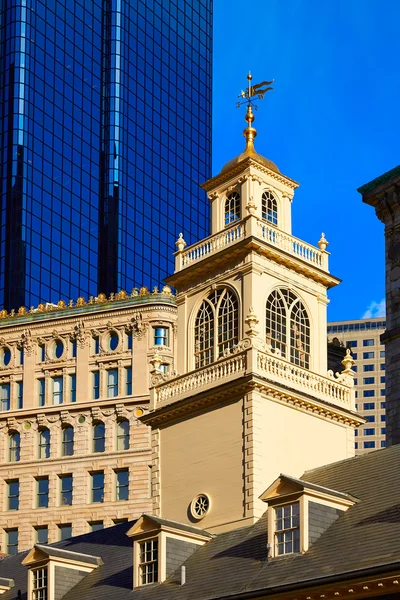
x,y
194,381
302,380
260,229
212,244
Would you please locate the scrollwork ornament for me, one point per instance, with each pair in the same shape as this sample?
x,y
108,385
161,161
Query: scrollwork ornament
x,y
139,327
80,334
27,342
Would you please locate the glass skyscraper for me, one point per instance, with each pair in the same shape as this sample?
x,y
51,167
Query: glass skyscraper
x,y
105,136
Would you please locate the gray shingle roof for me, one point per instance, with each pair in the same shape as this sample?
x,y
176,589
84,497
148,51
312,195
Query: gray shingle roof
x,y
234,564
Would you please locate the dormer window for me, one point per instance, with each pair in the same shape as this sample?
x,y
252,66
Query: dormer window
x,y
39,584
232,208
148,561
287,529
269,208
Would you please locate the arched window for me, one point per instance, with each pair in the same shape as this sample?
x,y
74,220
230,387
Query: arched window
x,y
216,327
232,208
123,435
288,327
44,443
269,208
14,446
67,446
99,437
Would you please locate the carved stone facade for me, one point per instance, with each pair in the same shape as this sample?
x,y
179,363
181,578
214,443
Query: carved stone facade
x,y
79,366
383,194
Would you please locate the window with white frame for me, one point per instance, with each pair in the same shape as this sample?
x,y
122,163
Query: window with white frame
x,y
216,327
57,390
288,327
123,434
5,397
232,208
287,529
14,441
161,336
148,561
269,208
112,383
44,443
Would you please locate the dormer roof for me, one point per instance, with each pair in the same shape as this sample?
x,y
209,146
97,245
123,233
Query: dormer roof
x,y
40,552
149,524
286,485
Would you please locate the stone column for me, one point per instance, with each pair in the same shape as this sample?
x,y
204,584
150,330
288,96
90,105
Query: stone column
x,y
384,195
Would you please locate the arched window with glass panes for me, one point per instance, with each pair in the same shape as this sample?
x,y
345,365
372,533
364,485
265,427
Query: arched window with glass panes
x,y
232,208
288,327
269,208
216,327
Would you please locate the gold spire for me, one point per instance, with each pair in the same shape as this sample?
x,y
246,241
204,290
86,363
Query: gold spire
x,y
250,132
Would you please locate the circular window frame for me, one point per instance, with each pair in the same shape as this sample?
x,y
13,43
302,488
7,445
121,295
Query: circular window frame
x,y
52,346
3,350
194,502
105,342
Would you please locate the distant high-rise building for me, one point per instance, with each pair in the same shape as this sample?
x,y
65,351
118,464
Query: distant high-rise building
x,y
363,338
105,136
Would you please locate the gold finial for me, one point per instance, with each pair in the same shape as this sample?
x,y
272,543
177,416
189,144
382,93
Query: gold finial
x,y
253,91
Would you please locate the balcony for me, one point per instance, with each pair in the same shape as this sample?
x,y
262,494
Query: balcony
x,y
265,366
251,226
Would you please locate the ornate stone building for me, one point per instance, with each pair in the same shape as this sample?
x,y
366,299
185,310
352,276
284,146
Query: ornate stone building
x,y
383,194
253,397
73,381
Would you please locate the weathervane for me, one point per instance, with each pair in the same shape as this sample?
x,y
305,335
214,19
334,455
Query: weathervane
x,y
254,91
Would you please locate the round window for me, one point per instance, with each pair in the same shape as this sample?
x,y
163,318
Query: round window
x,y
200,506
5,356
57,349
113,341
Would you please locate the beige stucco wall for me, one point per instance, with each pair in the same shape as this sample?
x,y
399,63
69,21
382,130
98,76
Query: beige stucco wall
x,y
203,454
290,441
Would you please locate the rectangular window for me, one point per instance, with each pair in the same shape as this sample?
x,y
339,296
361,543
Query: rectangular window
x,y
354,355
355,381
95,345
356,445
65,531
351,344
20,394
383,367
41,388
41,353
383,404
370,418
42,492
356,432
369,444
368,343
383,392
368,368
122,482
287,529
13,494
72,387
39,584
12,541
112,383
382,354
383,443
383,430
383,418
73,349
5,397
96,525
368,355
368,393
369,431
148,562
65,490
369,380
97,494
128,381
19,355
383,379
42,534
161,336
129,341
369,405
96,385
57,390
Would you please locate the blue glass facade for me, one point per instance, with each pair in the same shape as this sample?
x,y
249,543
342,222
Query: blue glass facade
x,y
105,136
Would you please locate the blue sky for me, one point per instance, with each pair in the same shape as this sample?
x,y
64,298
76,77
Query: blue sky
x,y
331,123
